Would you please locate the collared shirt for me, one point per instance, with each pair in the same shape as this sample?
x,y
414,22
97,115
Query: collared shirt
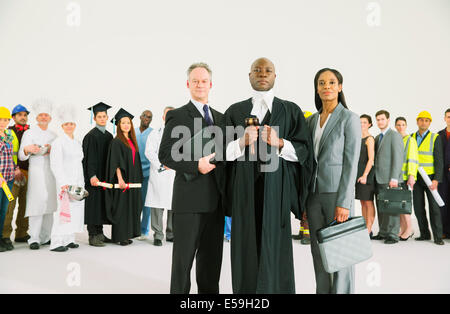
x,y
7,165
141,139
199,107
420,138
259,109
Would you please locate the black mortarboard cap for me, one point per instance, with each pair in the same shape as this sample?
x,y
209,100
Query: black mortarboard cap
x,y
99,107
120,114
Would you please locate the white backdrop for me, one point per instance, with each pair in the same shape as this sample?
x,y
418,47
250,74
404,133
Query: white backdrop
x,y
393,54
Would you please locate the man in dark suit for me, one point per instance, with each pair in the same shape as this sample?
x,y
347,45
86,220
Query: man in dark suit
x,y
444,187
198,214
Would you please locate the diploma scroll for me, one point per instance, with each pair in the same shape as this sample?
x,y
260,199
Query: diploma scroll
x,y
116,186
435,193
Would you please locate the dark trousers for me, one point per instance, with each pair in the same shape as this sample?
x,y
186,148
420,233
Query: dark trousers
x,y
198,236
389,224
94,230
420,189
444,191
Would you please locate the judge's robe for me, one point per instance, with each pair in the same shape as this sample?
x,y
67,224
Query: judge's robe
x,y
95,151
123,207
284,191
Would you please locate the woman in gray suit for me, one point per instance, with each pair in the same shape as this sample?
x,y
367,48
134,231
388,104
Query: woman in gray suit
x,y
336,136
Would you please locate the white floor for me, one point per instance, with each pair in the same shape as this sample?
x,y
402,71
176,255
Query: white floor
x,y
406,267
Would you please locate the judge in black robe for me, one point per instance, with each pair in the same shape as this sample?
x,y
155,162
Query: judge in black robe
x,y
261,202
95,149
124,205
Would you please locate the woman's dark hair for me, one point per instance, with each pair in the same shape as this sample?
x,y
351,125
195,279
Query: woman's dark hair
x,y
369,119
340,79
400,119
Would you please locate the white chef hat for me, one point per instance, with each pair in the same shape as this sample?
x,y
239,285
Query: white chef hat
x,y
66,113
42,105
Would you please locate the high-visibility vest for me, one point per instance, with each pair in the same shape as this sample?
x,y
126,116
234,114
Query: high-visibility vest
x,y
15,145
426,149
411,158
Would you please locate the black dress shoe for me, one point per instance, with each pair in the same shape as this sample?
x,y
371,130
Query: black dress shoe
x,y
72,246
105,239
421,238
439,242
60,249
390,241
34,246
2,247
124,243
406,239
47,243
157,242
22,240
378,237
130,241
169,239
7,243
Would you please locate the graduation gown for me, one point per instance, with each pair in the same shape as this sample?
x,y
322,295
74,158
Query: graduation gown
x,y
285,191
95,150
123,208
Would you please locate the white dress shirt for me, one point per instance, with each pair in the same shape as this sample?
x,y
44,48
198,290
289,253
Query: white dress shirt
x,y
199,107
262,101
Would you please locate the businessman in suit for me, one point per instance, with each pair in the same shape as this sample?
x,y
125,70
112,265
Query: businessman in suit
x,y
388,173
198,215
336,135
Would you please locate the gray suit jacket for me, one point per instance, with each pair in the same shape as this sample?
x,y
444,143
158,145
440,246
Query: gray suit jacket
x,y
337,161
389,157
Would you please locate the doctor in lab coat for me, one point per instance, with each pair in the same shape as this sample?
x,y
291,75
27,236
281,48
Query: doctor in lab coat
x,y
160,187
41,194
66,164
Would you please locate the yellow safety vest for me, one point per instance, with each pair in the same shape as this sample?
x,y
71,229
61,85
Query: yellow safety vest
x,y
426,148
411,159
15,146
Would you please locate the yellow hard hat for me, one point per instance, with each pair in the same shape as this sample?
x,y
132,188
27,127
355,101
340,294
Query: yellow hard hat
x,y
5,113
424,114
307,114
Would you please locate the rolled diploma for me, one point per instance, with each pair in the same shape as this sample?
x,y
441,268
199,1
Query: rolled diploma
x,y
435,193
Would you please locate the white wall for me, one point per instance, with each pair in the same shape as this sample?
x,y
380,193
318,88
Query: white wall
x,y
393,54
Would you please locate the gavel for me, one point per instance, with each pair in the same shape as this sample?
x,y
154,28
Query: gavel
x,y
252,122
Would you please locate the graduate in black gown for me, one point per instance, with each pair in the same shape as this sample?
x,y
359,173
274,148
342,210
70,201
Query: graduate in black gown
x,y
95,150
262,192
123,166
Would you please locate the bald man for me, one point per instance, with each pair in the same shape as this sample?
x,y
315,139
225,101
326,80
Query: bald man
x,y
268,168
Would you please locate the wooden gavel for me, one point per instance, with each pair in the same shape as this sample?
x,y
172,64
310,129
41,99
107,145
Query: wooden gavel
x,y
252,122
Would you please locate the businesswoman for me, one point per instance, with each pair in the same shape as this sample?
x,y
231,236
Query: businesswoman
x,y
365,182
336,134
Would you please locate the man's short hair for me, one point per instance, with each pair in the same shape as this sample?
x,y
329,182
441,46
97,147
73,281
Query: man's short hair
x,y
400,119
199,65
447,111
380,112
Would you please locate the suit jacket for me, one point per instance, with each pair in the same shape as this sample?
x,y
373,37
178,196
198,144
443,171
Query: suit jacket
x,y
446,154
204,193
389,155
337,161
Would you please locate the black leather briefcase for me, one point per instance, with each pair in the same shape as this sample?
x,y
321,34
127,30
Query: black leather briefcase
x,y
394,201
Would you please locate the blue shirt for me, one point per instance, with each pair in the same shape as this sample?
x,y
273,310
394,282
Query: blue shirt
x,y
419,138
199,107
141,139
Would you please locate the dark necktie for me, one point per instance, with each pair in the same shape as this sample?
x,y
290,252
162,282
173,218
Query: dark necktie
x,y
207,116
381,138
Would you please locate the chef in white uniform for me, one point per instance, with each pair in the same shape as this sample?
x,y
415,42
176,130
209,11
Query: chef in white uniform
x,y
66,164
160,187
41,194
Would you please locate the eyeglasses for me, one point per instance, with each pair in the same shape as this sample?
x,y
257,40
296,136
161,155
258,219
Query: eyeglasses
x,y
146,116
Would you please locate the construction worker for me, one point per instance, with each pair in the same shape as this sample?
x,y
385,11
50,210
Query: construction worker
x,y
303,234
431,160
410,167
19,189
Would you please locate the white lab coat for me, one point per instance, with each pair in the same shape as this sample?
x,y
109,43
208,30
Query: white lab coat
x,y
160,184
41,193
66,164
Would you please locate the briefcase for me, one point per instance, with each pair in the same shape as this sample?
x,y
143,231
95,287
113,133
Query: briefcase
x,y
394,201
342,245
